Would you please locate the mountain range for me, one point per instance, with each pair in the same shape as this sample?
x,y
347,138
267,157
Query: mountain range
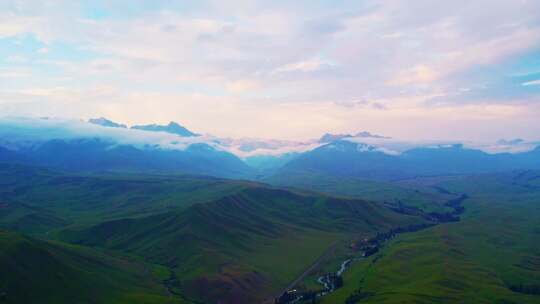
x,y
104,145
95,154
328,137
172,127
350,159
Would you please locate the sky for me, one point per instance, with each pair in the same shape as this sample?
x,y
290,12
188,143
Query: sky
x,y
421,69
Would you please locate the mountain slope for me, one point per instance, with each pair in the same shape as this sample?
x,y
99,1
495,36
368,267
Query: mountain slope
x,y
8,156
101,155
41,272
491,256
349,159
207,244
345,158
232,241
61,199
106,123
426,198
17,216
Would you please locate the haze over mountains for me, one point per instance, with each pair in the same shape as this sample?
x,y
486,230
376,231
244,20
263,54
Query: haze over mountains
x,y
106,145
327,138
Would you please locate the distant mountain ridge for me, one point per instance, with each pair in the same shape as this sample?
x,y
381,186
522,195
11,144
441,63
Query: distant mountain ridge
x,y
172,127
328,137
94,154
106,123
74,145
514,141
346,158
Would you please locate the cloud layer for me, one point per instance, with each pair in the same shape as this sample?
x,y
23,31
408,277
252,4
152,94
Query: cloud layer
x,y
416,69
17,132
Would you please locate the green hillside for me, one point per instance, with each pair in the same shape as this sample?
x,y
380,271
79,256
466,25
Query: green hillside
x,y
49,199
234,236
491,256
36,271
232,241
167,239
425,197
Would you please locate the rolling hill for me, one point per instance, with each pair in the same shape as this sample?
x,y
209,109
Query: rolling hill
x,y
424,197
69,198
35,271
204,243
490,256
244,241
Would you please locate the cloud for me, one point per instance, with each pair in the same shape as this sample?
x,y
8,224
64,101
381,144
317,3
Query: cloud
x,y
241,86
417,75
498,147
399,146
378,106
14,72
245,148
305,66
18,130
165,61
531,83
352,104
16,59
361,103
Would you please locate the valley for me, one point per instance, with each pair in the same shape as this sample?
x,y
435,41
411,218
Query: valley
x,y
248,242
242,240
363,249
344,222
484,254
269,152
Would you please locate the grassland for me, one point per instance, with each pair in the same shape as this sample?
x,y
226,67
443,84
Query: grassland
x,y
35,271
37,201
427,198
186,239
253,242
495,246
232,241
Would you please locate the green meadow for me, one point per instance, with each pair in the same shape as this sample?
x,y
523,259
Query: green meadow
x,y
494,248
36,271
186,239
213,239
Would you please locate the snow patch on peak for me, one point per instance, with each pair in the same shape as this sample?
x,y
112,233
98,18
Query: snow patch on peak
x,y
362,147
